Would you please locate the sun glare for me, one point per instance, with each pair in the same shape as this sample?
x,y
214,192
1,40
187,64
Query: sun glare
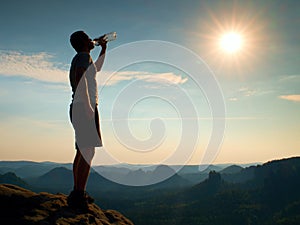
x,y
231,42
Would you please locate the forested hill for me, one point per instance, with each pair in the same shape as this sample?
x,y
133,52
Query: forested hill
x,y
271,197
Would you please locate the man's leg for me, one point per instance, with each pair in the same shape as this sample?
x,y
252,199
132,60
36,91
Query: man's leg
x,y
81,167
75,168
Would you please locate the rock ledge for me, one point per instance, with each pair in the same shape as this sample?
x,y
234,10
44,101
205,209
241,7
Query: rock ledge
x,y
21,206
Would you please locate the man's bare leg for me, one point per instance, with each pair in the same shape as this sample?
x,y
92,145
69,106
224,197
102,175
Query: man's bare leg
x,y
81,167
75,168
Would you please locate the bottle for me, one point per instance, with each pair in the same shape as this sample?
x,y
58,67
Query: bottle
x,y
106,37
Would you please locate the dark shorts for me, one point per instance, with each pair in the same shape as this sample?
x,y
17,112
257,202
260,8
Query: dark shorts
x,y
87,131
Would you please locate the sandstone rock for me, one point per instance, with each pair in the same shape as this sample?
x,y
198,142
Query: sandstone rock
x,y
21,206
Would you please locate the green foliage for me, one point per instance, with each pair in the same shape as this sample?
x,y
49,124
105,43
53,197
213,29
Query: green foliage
x,y
272,197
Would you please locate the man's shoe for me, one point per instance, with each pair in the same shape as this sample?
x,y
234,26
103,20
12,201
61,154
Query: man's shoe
x,y
89,198
78,200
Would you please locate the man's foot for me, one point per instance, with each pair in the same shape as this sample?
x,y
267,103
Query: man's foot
x,y
89,198
78,200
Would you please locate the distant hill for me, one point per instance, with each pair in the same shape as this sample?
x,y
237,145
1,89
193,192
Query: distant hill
x,y
112,171
238,174
140,177
174,180
233,169
270,196
17,164
59,177
29,169
162,175
11,178
203,169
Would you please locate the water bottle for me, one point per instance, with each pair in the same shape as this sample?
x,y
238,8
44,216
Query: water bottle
x,y
105,38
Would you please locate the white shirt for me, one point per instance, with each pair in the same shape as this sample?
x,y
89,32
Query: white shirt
x,y
84,60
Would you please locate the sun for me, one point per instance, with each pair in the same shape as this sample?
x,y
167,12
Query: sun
x,y
231,42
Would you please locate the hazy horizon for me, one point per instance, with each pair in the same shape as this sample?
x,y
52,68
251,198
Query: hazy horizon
x,y
120,164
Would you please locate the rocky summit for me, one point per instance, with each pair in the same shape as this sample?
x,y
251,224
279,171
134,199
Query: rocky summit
x,y
21,206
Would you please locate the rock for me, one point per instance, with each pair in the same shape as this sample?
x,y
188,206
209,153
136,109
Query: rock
x,y
21,206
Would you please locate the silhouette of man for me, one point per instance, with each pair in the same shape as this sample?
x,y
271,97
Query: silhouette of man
x,y
84,114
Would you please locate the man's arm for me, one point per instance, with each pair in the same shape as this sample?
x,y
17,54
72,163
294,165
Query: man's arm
x,y
99,62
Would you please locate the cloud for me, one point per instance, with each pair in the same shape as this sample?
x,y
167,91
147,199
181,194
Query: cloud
x,y
247,92
110,79
293,98
37,66
289,78
233,99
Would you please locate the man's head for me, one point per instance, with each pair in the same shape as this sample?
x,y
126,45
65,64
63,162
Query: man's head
x,y
80,41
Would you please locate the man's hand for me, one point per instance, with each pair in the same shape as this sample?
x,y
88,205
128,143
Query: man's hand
x,y
103,44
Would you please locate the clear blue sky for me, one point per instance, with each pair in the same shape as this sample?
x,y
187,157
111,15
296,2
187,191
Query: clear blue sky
x,y
260,83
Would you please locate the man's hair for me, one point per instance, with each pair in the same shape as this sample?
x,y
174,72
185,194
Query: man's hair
x,y
77,40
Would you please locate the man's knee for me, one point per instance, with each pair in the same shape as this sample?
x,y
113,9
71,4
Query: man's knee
x,y
88,153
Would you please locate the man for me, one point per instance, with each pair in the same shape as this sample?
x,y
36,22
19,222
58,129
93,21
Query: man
x,y
84,113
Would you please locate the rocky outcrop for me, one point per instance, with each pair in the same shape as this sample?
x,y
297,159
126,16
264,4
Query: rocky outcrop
x,y
21,206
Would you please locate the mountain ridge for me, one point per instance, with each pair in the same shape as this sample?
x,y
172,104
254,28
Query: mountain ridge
x,y
264,194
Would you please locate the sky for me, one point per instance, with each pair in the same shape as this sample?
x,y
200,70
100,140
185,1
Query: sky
x,y
152,109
